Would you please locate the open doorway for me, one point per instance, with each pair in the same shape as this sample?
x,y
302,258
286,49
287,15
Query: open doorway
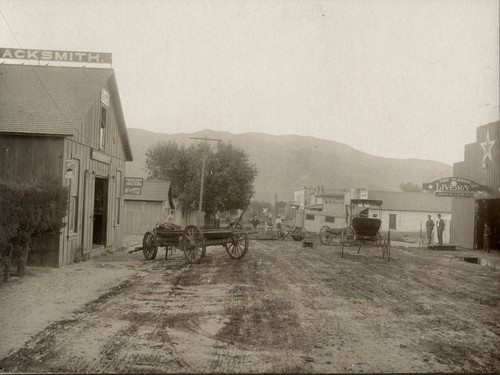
x,y
488,211
100,211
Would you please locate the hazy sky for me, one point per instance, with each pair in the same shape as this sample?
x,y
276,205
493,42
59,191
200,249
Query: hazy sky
x,y
403,79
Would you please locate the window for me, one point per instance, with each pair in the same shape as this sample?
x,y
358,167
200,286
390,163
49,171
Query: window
x,y
102,128
118,194
330,219
392,221
309,217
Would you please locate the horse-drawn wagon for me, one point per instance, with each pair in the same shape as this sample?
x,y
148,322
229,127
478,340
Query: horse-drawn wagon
x,y
193,241
363,230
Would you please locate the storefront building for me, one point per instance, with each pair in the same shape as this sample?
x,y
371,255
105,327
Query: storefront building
x,y
482,165
65,125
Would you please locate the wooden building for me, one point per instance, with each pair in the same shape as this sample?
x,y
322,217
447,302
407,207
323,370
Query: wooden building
x,y
66,125
144,209
481,164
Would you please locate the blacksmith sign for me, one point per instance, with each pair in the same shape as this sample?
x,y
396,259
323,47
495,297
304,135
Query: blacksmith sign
x,y
133,185
453,187
53,55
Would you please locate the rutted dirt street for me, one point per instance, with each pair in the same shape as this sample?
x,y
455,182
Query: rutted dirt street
x,y
282,308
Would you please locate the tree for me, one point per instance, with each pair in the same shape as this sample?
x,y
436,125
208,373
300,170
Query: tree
x,y
410,186
229,175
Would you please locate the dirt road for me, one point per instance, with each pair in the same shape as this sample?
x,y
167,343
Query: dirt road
x,y
283,308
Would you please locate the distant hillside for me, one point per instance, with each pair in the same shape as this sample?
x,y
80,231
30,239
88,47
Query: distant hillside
x,y
290,161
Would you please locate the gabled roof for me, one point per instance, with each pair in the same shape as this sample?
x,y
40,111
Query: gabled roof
x,y
152,190
412,201
53,100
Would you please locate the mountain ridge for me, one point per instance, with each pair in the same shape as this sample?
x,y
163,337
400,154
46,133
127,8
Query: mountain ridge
x,y
288,161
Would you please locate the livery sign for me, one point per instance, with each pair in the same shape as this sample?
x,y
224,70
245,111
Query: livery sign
x,y
453,184
53,55
133,185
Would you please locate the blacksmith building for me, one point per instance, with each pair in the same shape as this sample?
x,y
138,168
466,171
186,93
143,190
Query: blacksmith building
x,y
66,124
482,165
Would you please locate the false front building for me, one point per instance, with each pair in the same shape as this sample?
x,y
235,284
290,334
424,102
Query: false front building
x,y
482,165
66,125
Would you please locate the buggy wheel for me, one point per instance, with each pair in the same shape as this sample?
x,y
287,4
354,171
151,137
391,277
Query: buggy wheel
x,y
348,233
149,246
324,236
297,234
282,234
193,244
237,245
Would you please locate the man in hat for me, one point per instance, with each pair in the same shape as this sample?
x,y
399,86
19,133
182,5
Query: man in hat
x,y
429,225
440,229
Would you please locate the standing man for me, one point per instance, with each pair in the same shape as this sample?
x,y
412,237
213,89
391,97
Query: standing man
x,y
429,225
486,237
440,229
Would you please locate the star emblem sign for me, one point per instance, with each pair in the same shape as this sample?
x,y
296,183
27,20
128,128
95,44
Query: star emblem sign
x,y
486,146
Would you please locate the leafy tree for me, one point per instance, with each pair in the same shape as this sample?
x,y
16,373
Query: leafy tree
x,y
229,175
410,186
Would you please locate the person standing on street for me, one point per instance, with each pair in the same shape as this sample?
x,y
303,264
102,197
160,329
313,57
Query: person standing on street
x,y
486,237
440,229
429,225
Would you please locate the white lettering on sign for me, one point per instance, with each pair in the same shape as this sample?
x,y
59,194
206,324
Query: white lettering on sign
x,y
70,56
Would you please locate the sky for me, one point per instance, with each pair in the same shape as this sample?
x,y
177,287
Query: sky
x,y
393,78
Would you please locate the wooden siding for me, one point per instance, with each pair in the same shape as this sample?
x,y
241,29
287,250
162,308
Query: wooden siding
x,y
35,160
80,149
463,209
463,222
142,216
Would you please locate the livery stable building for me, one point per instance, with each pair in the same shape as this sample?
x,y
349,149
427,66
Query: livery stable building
x,y
66,125
478,200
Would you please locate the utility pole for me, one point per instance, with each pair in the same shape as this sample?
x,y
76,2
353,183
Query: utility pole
x,y
203,172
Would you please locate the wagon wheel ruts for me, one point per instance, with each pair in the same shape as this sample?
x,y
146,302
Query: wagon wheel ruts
x,y
149,246
298,234
193,244
237,245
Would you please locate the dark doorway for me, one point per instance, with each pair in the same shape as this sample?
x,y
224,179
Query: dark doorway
x,y
100,211
488,211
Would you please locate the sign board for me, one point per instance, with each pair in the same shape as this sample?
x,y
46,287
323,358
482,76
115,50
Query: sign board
x,y
53,55
455,194
453,184
133,181
101,156
133,190
69,169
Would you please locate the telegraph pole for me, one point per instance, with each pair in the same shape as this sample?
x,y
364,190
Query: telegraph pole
x,y
203,172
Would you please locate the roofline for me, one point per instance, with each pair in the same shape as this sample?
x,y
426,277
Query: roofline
x,y
121,118
61,135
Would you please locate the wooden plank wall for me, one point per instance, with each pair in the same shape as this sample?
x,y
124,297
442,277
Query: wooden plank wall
x,y
142,216
80,148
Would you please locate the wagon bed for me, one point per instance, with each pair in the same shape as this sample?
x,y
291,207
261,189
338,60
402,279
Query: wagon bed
x,y
193,241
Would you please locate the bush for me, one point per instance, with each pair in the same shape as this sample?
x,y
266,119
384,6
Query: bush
x,y
30,216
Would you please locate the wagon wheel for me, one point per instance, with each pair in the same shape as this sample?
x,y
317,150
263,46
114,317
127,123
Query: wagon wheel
x,y
237,245
297,234
149,246
348,233
193,244
324,236
282,234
